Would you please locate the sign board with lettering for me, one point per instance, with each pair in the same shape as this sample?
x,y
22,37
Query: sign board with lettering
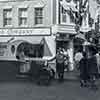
x,y
27,31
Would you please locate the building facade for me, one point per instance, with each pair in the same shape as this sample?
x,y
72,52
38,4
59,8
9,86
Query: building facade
x,y
94,9
35,27
26,22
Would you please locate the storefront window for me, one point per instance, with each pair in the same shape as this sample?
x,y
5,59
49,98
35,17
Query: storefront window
x,y
31,50
3,48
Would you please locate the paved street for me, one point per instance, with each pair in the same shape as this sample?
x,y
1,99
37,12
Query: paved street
x,y
15,89
25,90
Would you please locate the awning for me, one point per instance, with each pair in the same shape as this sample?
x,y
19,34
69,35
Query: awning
x,y
6,39
30,39
49,46
49,42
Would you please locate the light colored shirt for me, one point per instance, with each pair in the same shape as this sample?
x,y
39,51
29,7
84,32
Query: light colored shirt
x,y
98,61
78,56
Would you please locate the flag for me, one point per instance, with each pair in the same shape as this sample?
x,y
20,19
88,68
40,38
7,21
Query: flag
x,y
91,20
85,4
67,5
78,10
70,8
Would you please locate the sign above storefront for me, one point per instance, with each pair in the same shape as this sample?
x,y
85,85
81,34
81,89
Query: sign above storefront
x,y
34,31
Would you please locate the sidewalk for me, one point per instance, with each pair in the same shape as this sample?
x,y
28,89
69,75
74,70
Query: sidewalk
x,y
72,76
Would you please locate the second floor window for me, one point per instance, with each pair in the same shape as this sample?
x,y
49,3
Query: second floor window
x,y
65,16
7,17
38,15
23,16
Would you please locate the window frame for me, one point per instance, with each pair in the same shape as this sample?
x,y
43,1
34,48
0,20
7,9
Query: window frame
x,y
21,17
39,17
7,19
63,13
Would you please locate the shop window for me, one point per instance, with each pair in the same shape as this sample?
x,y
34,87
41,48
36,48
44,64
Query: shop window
x,y
38,15
7,17
22,16
36,51
3,48
31,50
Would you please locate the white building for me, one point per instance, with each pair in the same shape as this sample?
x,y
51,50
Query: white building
x,y
34,25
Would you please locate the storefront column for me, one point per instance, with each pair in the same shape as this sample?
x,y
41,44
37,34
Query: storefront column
x,y
71,52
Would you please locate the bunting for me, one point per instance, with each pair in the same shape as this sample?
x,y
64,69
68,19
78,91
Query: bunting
x,y
68,5
79,11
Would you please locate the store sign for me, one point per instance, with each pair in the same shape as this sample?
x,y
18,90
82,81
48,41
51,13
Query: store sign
x,y
36,31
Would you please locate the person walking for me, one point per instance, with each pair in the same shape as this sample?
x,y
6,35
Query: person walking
x,y
60,65
78,57
83,65
92,70
98,64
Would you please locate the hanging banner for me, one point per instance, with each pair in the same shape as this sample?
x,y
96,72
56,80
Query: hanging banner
x,y
68,5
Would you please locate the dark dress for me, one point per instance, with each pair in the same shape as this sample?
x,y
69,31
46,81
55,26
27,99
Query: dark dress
x,y
60,65
83,66
92,66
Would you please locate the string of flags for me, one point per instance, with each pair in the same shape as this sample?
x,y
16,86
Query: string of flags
x,y
79,10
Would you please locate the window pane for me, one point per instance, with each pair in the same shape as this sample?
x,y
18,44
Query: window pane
x,y
23,21
23,12
39,20
7,22
38,11
9,14
64,18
